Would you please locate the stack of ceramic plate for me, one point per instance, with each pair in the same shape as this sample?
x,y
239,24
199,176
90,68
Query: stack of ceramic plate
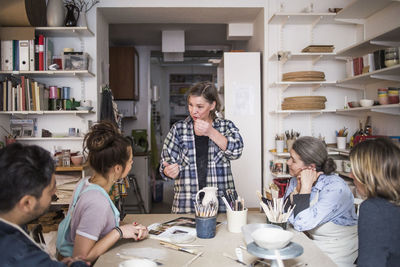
x,y
304,103
302,76
318,49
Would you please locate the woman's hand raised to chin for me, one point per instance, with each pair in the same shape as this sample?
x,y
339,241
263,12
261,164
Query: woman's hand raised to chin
x,y
308,176
171,170
202,128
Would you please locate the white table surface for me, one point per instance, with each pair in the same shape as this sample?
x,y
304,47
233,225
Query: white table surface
x,y
224,241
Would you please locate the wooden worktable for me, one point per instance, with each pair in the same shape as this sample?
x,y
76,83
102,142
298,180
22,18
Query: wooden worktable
x,y
224,241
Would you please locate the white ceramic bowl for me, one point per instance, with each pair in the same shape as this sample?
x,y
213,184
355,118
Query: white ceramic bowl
x,y
271,238
138,263
366,102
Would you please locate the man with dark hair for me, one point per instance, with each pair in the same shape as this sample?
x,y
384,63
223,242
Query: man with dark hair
x,y
27,184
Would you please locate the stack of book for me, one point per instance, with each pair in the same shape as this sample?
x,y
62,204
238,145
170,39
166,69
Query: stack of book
x,y
24,94
26,55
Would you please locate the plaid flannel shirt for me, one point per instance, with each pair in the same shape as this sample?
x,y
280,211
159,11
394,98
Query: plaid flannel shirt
x,y
179,147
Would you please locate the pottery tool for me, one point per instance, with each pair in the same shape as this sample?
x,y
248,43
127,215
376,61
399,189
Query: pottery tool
x,y
193,259
239,254
228,206
179,248
233,258
127,257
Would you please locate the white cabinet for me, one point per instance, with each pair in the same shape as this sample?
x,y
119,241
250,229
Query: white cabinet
x,y
242,97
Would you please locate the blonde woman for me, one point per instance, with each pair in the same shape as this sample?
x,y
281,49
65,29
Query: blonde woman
x,y
376,171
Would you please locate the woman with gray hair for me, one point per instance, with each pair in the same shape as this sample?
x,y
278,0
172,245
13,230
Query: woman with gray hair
x,y
324,203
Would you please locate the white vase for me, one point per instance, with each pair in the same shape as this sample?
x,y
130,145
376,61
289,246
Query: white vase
x,y
82,20
55,13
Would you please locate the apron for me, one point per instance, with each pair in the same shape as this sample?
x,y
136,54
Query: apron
x,y
339,242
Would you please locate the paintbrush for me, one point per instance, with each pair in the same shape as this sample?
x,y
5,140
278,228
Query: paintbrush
x,y
179,248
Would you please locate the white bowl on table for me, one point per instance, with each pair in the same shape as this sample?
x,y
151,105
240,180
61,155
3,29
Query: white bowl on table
x,y
271,238
366,102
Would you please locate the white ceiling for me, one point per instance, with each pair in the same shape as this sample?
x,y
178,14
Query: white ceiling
x,y
202,26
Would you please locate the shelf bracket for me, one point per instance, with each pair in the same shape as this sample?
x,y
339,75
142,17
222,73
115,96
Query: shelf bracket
x,y
285,115
314,115
316,59
284,21
352,21
395,78
284,87
316,21
351,86
392,111
315,87
385,43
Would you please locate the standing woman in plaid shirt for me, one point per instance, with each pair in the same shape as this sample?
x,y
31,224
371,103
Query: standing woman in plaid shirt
x,y
197,151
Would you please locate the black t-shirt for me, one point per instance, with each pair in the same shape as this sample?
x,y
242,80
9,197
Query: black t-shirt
x,y
201,159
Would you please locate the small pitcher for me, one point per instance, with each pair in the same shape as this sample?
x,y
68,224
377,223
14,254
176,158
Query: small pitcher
x,y
210,194
70,18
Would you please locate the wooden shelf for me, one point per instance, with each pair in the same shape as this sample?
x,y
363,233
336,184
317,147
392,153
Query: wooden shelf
x,y
291,112
69,169
345,174
49,138
381,41
342,152
47,112
64,31
390,74
393,109
51,73
281,175
362,9
303,18
306,56
287,154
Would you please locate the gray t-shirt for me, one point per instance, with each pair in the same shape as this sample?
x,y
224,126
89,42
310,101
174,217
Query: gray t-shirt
x,y
93,216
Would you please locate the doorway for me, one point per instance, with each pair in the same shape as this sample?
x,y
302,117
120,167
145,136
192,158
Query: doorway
x,y
205,33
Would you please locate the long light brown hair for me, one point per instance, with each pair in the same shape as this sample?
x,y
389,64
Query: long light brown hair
x,y
376,165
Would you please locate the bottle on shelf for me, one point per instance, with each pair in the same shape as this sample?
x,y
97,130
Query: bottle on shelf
x,y
359,132
368,127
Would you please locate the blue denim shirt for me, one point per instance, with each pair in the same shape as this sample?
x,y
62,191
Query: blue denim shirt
x,y
335,204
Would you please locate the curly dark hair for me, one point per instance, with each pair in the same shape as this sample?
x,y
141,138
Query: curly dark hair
x,y
105,147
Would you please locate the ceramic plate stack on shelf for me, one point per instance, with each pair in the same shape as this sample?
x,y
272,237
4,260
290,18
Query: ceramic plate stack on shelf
x,y
318,49
304,103
302,76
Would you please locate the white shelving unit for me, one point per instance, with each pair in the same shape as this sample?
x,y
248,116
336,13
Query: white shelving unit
x,y
380,41
67,138
65,31
388,74
46,112
313,19
361,9
393,109
67,78
304,56
51,73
